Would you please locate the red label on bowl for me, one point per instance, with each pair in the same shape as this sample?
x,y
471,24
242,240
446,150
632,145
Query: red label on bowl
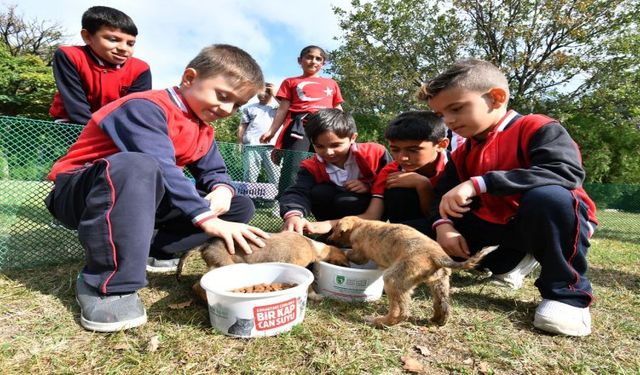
x,y
276,315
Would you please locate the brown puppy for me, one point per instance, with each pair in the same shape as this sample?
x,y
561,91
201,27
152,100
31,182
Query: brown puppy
x,y
409,258
286,247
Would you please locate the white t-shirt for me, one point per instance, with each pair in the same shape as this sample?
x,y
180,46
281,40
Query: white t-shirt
x,y
258,118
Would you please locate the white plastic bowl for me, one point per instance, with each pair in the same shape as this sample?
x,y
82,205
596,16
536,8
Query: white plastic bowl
x,y
256,314
358,283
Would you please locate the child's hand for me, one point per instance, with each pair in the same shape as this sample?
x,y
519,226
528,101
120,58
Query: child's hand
x,y
219,200
319,227
356,186
452,241
406,180
238,232
454,202
295,224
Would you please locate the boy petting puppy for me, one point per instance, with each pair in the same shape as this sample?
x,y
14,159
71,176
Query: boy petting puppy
x,y
124,177
517,183
335,182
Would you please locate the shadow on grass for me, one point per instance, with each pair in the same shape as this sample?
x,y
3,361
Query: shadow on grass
x,y
614,279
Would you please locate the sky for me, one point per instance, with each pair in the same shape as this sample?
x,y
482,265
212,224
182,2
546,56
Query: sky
x,y
171,33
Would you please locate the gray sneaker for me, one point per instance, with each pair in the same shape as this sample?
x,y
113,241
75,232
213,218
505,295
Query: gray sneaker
x,y
108,313
162,265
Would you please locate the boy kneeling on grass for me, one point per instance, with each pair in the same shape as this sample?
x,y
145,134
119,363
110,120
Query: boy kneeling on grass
x,y
516,182
123,178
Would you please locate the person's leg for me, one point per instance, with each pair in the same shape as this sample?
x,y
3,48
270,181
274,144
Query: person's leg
x,y
177,234
401,204
329,201
251,163
294,151
553,224
272,170
112,204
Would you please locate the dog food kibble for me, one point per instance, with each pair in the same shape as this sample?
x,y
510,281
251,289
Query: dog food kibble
x,y
264,288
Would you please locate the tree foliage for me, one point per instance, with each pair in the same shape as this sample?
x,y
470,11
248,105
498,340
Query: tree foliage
x,y
27,85
388,46
29,37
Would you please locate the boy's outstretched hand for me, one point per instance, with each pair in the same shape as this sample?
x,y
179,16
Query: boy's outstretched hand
x,y
452,241
238,232
320,227
455,201
406,180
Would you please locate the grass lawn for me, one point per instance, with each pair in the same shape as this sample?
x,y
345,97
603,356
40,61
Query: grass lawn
x,y
490,330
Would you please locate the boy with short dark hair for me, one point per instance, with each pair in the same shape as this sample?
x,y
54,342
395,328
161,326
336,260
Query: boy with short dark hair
x,y
123,178
336,181
403,190
103,70
516,182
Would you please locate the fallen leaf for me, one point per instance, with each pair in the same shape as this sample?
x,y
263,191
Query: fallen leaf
x,y
483,368
154,342
412,364
181,305
423,350
468,361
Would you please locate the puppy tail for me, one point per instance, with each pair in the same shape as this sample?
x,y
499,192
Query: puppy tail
x,y
469,263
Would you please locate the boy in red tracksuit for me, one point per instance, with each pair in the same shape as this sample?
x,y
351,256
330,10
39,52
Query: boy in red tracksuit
x,y
103,70
335,182
122,186
403,190
516,182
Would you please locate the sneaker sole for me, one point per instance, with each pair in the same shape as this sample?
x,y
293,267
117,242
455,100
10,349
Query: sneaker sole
x,y
111,327
153,269
542,323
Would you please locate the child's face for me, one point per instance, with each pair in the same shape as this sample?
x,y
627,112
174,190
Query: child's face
x,y
412,155
333,149
466,112
110,44
311,62
213,98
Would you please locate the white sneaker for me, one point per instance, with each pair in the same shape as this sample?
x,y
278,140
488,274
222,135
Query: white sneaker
x,y
560,318
515,278
162,265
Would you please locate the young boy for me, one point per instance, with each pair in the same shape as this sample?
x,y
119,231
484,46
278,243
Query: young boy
x,y
123,178
403,190
90,76
516,182
336,181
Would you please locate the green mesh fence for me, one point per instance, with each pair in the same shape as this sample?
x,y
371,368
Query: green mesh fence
x,y
29,237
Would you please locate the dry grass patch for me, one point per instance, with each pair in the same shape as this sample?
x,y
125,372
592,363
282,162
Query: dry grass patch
x,y
490,331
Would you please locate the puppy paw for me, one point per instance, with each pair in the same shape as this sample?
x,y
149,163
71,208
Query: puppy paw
x,y
313,296
439,320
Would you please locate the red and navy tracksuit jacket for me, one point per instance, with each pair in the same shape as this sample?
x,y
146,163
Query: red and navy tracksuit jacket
x,y
521,153
157,123
370,158
86,83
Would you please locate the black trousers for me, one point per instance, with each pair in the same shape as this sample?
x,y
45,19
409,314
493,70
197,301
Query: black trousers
x,y
119,207
552,224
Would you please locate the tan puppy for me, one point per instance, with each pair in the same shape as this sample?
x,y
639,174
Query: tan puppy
x,y
286,247
409,257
